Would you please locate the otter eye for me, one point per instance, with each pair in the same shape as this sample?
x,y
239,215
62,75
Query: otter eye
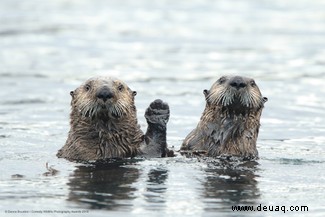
x,y
222,80
121,87
87,87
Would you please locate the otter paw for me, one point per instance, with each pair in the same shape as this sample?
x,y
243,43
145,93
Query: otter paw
x,y
157,113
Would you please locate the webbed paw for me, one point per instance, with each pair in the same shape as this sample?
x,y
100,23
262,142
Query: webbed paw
x,y
157,113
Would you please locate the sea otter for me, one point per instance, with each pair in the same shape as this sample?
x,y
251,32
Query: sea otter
x,y
104,125
230,123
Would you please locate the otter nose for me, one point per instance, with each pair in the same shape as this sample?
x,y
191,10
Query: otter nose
x,y
238,82
104,94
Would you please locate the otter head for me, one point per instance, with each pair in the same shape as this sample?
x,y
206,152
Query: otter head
x,y
103,97
236,94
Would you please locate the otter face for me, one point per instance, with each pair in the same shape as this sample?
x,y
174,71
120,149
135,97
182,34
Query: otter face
x,y
236,93
103,96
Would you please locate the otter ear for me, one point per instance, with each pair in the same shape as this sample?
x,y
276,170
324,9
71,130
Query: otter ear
x,y
134,93
72,93
206,93
265,99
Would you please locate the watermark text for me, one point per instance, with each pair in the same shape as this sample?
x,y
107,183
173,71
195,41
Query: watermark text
x,y
270,208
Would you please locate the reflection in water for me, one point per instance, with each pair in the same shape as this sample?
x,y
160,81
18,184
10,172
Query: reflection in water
x,y
103,186
110,186
228,185
128,186
156,188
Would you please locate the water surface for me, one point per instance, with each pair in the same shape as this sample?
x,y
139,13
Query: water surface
x,y
170,50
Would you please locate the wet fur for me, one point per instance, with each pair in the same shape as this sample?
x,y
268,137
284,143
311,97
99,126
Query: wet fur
x,y
230,122
102,130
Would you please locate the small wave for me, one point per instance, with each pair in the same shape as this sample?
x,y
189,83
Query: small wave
x,y
295,161
22,75
26,101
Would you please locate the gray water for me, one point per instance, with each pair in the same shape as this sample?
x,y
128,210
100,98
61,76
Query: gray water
x,y
170,50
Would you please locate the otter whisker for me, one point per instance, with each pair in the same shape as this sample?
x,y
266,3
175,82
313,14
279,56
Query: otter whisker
x,y
251,100
124,107
119,108
246,99
223,98
228,95
89,110
86,109
255,99
116,110
216,98
95,110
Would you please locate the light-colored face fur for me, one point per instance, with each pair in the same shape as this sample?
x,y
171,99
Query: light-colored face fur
x,y
236,93
103,96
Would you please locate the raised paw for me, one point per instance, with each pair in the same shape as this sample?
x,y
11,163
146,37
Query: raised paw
x,y
157,113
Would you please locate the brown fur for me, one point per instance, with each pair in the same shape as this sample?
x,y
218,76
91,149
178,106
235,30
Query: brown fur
x,y
103,122
230,122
